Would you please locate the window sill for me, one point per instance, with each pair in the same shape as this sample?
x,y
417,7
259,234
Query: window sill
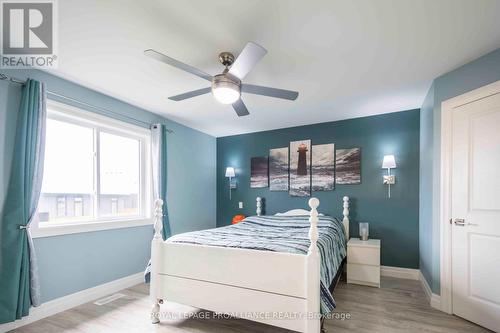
x,y
74,228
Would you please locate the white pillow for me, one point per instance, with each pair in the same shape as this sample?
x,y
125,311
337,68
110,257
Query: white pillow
x,y
296,212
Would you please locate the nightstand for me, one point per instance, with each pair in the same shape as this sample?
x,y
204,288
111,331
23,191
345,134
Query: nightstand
x,y
363,262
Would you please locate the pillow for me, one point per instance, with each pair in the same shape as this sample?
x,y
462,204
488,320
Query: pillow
x,y
296,212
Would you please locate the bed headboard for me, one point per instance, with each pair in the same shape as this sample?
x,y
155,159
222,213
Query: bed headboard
x,y
293,212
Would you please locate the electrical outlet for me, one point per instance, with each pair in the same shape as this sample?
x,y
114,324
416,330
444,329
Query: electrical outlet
x,y
240,204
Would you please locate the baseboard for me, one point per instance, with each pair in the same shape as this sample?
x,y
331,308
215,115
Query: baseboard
x,y
70,301
434,299
413,274
400,272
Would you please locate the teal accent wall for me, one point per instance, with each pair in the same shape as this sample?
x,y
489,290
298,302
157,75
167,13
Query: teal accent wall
x,y
480,72
71,263
394,220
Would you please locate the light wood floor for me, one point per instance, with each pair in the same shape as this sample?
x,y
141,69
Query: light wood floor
x,y
399,306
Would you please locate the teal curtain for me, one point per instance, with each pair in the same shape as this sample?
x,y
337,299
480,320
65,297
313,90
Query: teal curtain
x,y
19,287
159,159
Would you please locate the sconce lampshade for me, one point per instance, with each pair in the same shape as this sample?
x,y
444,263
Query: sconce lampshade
x,y
389,162
230,172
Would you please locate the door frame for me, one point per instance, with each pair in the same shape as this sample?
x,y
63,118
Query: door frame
x,y
444,208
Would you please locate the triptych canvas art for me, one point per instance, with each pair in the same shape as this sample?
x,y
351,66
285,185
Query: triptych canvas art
x,y
323,167
348,166
302,168
278,169
258,172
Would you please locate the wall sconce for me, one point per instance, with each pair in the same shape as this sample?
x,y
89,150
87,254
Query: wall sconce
x,y
232,183
389,163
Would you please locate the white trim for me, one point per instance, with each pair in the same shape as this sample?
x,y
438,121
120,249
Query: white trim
x,y
99,123
413,274
434,299
436,302
400,272
70,301
444,207
91,118
74,228
444,210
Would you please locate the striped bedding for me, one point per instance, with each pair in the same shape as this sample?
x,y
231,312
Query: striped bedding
x,y
281,234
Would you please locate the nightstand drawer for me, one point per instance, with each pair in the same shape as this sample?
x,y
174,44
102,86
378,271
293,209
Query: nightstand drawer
x,y
363,274
363,255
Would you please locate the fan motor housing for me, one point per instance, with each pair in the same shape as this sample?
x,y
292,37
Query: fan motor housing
x,y
226,81
226,58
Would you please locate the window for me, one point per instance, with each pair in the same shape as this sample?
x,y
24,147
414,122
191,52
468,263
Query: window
x,y
119,175
96,170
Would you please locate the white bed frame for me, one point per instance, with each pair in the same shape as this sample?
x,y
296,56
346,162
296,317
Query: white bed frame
x,y
251,284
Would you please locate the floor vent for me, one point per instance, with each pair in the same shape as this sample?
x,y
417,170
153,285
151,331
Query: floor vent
x,y
108,299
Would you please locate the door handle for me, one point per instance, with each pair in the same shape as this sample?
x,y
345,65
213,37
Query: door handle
x,y
462,223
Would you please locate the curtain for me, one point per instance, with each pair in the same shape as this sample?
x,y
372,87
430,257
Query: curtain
x,y
18,266
159,160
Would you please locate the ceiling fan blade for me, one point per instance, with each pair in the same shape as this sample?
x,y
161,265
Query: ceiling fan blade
x,y
268,91
240,108
190,94
248,58
172,62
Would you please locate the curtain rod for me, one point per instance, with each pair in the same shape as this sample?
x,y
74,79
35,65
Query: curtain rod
x,y
11,79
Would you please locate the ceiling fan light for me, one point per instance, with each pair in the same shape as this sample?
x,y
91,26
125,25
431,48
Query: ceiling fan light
x,y
226,95
225,90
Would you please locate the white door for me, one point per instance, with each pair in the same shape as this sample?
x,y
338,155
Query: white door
x,y
475,209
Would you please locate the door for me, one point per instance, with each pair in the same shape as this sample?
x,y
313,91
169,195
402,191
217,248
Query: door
x,y
475,208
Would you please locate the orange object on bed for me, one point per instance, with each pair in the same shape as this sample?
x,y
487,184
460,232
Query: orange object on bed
x,y
238,218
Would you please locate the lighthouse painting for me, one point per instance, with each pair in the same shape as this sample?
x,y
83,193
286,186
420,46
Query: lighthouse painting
x,y
300,168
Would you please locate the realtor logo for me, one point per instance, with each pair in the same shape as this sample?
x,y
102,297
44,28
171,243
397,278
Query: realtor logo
x,y
28,34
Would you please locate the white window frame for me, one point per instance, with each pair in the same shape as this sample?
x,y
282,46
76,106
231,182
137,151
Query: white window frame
x,y
77,116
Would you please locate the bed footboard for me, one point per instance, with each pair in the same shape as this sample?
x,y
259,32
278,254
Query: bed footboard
x,y
279,289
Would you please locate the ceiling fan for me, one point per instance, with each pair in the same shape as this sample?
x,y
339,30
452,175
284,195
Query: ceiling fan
x,y
227,87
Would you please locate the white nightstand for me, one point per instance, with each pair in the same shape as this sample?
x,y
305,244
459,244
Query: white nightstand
x,y
363,262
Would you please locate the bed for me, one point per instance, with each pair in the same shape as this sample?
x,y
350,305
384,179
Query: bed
x,y
272,269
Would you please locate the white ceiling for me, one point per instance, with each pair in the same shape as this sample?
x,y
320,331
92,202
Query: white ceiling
x,y
347,59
